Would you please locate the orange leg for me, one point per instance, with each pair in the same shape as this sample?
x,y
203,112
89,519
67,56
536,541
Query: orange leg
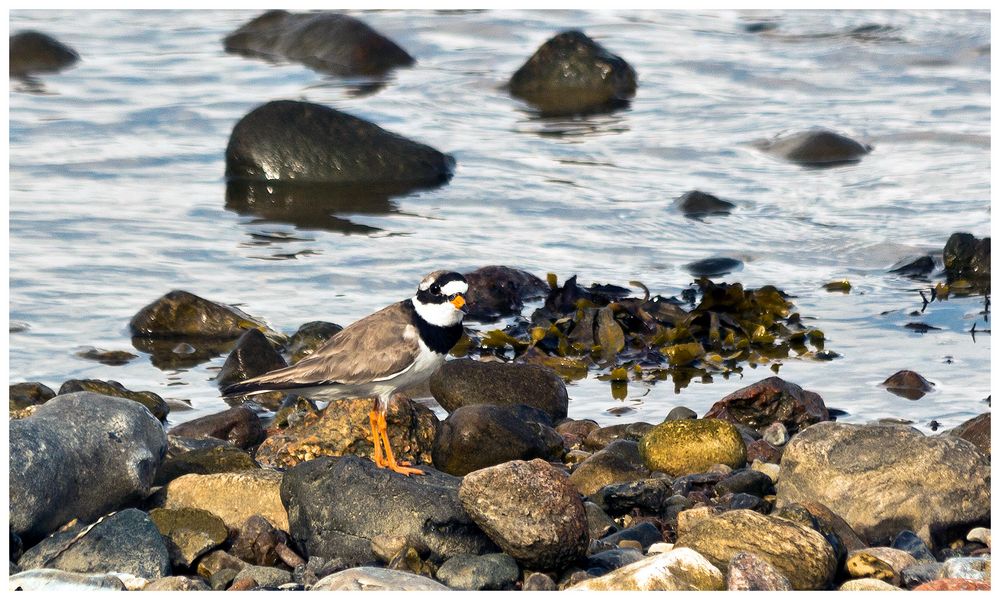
x,y
402,467
373,417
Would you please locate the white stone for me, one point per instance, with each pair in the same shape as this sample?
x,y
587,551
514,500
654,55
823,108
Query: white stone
x,y
680,569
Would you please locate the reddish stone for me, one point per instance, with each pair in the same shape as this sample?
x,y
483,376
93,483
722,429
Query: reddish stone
x,y
763,451
953,585
977,431
768,401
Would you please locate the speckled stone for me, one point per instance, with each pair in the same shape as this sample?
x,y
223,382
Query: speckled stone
x,y
953,585
749,572
882,563
966,567
868,585
692,446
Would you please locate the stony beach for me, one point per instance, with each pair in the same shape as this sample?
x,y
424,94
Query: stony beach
x,y
766,490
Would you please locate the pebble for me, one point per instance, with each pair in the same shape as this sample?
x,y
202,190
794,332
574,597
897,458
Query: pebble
x,y
868,585
377,579
487,572
972,567
749,572
776,434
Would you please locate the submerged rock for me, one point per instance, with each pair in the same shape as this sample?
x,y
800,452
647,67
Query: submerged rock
x,y
343,428
328,42
572,74
153,402
530,510
465,382
33,52
481,435
692,446
340,506
289,140
696,203
817,147
122,542
801,554
768,401
497,291
914,267
713,267
936,486
80,456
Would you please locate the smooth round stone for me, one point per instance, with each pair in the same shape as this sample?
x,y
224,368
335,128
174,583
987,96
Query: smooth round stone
x,y
692,446
486,572
680,569
971,567
868,585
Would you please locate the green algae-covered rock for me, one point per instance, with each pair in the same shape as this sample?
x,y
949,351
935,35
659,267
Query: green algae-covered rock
x,y
692,446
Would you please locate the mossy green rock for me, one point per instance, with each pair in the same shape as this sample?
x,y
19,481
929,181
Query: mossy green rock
x,y
692,446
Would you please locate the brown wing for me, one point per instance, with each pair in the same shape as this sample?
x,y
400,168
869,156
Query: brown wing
x,y
377,346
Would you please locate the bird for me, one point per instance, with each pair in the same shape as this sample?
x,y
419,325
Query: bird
x,y
396,347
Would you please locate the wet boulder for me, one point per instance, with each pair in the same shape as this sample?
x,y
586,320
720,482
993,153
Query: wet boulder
x,y
189,533
253,355
288,140
692,446
966,257
497,291
530,510
573,74
238,425
224,458
340,506
33,52
122,542
310,337
343,428
180,314
24,397
327,42
80,456
478,436
801,554
771,400
466,382
884,478
696,203
915,267
908,384
151,401
816,147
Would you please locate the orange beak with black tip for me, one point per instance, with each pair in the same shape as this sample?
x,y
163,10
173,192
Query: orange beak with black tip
x,y
457,300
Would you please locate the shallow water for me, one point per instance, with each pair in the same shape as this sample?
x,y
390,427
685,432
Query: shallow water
x,y
117,193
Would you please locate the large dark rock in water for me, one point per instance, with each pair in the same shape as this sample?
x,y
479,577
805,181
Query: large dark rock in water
x,y
768,401
573,74
465,382
816,147
328,42
180,314
885,478
497,291
238,425
696,203
481,435
966,257
287,140
24,395
252,356
78,457
124,542
33,52
338,506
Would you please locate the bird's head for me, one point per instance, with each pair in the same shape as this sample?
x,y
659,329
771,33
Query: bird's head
x,y
440,298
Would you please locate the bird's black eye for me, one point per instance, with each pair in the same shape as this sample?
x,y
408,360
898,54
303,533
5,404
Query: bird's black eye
x,y
435,289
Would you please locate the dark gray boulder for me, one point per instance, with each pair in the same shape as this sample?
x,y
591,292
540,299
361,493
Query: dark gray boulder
x,y
338,506
481,435
179,314
287,140
34,52
31,393
123,542
816,147
497,291
716,266
328,42
310,337
253,355
466,382
696,203
80,456
238,425
573,74
966,257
